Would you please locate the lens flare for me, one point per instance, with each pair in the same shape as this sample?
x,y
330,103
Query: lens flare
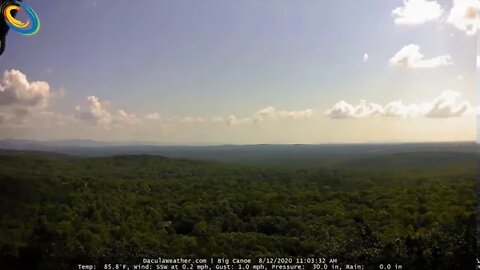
x,y
31,27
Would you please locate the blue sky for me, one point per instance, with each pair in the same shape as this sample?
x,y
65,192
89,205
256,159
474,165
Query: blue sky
x,y
188,62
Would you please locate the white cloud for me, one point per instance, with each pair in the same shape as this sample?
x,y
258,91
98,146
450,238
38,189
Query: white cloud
x,y
233,120
446,105
20,98
153,117
97,112
410,57
268,114
414,12
123,118
398,109
343,110
15,89
365,57
272,113
464,15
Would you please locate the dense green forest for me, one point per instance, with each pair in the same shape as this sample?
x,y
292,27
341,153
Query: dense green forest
x,y
416,209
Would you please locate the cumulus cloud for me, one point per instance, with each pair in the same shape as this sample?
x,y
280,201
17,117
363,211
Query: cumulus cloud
x,y
414,12
270,114
446,105
398,109
95,112
15,89
98,113
343,110
410,57
464,15
21,98
125,119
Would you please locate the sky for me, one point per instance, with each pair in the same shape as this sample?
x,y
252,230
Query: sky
x,y
243,72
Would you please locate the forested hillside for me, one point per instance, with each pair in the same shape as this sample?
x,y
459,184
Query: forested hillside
x,y
56,210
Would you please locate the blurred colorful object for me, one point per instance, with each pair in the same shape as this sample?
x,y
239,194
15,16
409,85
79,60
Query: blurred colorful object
x,y
28,28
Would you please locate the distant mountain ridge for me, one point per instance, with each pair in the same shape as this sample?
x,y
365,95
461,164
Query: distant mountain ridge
x,y
288,154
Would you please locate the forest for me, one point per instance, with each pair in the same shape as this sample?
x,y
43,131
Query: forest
x,y
417,209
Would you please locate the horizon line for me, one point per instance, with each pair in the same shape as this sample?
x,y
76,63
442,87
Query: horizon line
x,y
152,143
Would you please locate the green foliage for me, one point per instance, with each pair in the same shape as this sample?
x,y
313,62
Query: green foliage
x,y
58,210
